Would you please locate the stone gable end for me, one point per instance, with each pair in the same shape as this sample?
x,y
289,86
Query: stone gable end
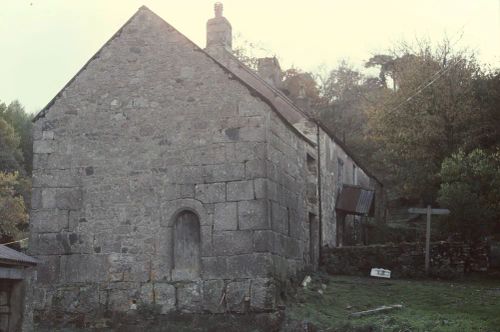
x,y
150,129
171,178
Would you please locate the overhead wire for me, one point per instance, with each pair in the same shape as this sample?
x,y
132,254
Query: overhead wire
x,y
438,74
14,241
419,89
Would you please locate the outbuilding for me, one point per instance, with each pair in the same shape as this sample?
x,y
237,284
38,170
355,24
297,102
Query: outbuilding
x,y
14,269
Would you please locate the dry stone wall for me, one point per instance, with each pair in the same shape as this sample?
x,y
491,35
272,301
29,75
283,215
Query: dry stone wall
x,y
447,259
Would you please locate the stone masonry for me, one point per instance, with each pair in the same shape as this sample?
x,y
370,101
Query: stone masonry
x,y
448,260
164,179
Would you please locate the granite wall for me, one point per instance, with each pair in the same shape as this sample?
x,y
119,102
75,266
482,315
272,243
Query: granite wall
x,y
155,150
149,129
338,168
292,194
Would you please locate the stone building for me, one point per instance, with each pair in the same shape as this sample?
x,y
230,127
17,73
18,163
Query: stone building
x,y
15,269
172,176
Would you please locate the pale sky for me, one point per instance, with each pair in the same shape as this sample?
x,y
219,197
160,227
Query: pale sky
x,y
43,43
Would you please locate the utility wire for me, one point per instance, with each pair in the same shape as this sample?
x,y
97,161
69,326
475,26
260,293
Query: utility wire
x,y
14,241
437,74
419,90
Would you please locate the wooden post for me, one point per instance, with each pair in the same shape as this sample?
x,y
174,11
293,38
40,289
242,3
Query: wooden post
x,y
429,211
428,240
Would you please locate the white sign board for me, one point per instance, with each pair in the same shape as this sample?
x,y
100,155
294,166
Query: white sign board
x,y
380,273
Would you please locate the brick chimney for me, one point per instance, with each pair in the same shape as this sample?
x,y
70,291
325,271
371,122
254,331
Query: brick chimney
x,y
219,32
269,70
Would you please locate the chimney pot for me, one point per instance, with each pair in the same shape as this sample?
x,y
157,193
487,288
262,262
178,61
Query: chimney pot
x,y
219,31
269,70
218,8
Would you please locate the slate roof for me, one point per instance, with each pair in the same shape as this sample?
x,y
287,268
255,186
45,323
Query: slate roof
x,y
278,102
14,257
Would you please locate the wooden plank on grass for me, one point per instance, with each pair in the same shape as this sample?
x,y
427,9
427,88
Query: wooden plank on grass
x,y
376,310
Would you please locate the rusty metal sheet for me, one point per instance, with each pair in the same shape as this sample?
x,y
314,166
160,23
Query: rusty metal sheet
x,y
355,200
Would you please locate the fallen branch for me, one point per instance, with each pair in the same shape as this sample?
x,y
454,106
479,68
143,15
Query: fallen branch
x,y
376,310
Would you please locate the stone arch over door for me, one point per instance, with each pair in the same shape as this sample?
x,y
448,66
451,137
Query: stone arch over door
x,y
186,240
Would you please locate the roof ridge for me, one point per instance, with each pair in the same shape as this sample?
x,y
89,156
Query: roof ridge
x,y
274,89
261,96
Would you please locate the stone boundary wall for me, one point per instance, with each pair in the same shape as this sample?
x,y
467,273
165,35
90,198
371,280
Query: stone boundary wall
x,y
407,260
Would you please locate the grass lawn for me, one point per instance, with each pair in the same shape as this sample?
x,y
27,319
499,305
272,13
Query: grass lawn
x,y
471,304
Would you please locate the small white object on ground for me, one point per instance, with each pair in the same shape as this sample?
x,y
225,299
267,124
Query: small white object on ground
x,y
380,273
307,280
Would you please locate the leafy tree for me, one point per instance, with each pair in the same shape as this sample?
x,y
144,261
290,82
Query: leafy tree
x,y
16,116
15,170
486,132
471,190
426,118
346,92
348,95
13,215
386,66
440,101
11,157
299,84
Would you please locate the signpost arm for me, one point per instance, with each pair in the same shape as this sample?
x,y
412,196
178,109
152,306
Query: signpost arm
x,y
427,239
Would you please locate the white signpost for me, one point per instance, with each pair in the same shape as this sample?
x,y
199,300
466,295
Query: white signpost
x,y
429,211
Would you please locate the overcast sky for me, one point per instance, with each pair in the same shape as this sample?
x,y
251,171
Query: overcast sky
x,y
45,42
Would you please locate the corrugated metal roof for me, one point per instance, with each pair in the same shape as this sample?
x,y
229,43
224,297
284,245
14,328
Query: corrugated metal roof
x,y
355,200
12,256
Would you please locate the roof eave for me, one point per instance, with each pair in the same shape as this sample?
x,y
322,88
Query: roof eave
x,y
17,263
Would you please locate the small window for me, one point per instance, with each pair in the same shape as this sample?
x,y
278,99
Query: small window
x,y
311,164
354,175
340,172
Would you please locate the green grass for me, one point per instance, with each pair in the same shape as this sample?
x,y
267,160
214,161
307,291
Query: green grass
x,y
472,304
